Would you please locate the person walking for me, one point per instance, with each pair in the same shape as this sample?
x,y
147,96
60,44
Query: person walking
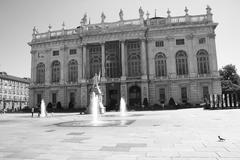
x,y
32,111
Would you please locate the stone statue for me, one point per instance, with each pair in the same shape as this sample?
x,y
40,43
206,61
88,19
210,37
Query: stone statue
x,y
103,17
96,80
84,19
141,12
121,14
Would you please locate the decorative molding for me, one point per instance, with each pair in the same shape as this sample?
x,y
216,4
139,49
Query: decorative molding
x,y
189,36
211,35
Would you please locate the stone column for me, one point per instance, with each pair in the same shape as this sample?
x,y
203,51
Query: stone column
x,y
143,59
213,55
103,60
80,58
33,66
48,67
84,96
171,62
123,60
84,63
191,56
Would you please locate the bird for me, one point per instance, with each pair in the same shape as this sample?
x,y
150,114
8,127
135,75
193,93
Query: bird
x,y
220,139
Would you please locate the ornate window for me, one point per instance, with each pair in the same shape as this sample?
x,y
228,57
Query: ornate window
x,y
134,59
40,73
72,71
112,59
159,43
160,65
72,51
202,62
95,58
55,71
179,41
181,63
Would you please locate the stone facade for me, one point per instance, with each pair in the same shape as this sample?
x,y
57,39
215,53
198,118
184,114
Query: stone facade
x,y
14,92
153,58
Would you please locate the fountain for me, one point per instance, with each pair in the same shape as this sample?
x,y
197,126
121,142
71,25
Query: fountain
x,y
96,106
43,109
123,109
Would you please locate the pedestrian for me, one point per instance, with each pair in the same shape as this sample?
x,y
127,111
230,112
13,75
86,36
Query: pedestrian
x,y
32,111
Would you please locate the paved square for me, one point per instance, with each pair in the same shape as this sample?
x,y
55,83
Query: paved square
x,y
188,134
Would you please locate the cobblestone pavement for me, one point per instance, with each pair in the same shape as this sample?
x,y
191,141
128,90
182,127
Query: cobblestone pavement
x,y
188,134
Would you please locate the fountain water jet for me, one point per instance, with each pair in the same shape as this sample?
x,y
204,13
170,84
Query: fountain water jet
x,y
123,109
94,108
43,109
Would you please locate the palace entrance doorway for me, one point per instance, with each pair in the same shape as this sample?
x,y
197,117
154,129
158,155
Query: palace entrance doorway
x,y
134,98
113,96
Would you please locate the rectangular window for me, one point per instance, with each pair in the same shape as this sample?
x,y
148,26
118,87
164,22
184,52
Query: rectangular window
x,y
162,95
72,51
159,43
179,41
202,40
54,98
55,53
184,94
205,91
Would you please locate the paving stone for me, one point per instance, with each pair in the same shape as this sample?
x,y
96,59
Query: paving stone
x,y
194,158
115,149
131,145
229,154
76,133
198,154
162,154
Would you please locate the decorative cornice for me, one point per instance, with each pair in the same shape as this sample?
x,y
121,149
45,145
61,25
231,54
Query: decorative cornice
x,y
211,35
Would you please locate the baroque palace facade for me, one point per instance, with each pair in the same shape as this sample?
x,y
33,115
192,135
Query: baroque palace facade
x,y
145,58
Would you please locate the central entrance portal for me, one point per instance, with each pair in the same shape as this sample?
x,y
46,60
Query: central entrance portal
x,y
113,96
134,98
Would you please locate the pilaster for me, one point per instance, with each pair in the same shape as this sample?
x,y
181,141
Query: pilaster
x,y
103,60
84,63
143,59
123,60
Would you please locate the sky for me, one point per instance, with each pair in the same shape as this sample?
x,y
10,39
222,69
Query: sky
x,y
18,17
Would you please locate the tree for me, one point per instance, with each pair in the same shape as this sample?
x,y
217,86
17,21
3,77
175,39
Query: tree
x,y
229,72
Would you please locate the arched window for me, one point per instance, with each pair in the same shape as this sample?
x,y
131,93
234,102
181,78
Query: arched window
x,y
40,73
95,58
134,59
181,63
203,62
55,71
72,71
160,65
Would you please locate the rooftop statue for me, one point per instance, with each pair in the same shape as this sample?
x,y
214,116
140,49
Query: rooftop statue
x,y
121,14
141,12
84,19
103,17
